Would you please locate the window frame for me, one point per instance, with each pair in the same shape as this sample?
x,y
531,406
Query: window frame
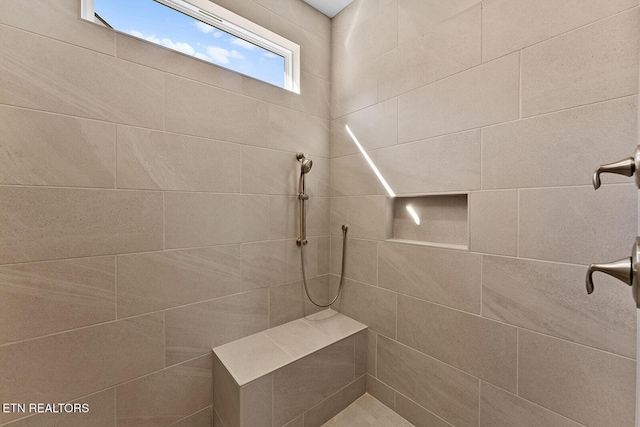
x,y
227,21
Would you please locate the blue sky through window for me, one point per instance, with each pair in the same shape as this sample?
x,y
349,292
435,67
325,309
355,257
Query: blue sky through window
x,y
159,24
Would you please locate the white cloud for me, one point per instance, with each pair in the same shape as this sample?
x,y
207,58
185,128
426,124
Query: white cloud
x,y
179,46
218,54
244,44
269,55
202,27
217,34
237,55
202,56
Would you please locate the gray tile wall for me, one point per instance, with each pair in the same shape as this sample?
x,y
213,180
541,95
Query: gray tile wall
x,y
516,103
146,210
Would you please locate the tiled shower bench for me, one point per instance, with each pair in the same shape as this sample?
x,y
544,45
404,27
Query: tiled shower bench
x,y
299,374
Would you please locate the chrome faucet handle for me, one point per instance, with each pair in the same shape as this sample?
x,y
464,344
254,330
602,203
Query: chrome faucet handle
x,y
625,270
626,167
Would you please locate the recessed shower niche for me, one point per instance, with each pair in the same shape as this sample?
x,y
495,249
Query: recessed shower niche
x,y
434,220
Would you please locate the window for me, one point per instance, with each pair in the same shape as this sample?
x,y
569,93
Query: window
x,y
205,31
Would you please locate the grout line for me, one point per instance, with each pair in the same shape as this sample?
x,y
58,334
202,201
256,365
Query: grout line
x,y
518,223
115,302
479,403
520,83
518,361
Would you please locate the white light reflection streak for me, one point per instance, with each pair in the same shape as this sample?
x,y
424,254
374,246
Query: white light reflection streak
x,y
375,169
414,214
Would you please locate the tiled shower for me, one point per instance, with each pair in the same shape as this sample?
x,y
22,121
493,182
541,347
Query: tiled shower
x,y
148,208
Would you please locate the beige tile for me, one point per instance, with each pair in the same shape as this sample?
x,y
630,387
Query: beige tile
x,y
448,163
298,338
194,330
284,215
367,411
372,343
256,403
507,25
373,306
164,161
102,412
482,96
58,20
315,52
361,260
354,14
296,422
355,46
199,219
591,64
374,127
65,366
226,396
353,90
576,225
442,219
493,218
418,16
501,409
361,343
267,171
289,302
55,223
336,325
416,414
308,381
252,357
365,216
302,14
446,49
196,109
481,347
160,280
351,175
586,385
382,392
48,149
217,422
203,418
426,273
249,10
317,183
545,297
533,152
44,74
332,406
441,389
37,298
166,396
286,126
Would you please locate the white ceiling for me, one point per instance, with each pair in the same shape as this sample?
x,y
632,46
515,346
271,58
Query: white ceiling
x,y
329,7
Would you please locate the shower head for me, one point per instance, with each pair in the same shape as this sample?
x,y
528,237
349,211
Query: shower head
x,y
306,166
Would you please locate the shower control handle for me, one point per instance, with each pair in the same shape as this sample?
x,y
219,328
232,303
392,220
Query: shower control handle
x,y
625,270
626,167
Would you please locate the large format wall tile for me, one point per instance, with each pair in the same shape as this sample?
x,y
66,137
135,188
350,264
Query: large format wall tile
x,y
203,110
49,149
267,171
43,74
289,302
416,414
586,385
591,64
364,215
443,390
186,389
351,175
361,261
199,219
160,280
36,299
508,25
294,131
203,418
308,381
447,49
58,20
448,163
284,216
534,152
66,366
193,330
550,298
164,161
499,408
53,223
484,95
430,273
481,347
493,222
417,16
353,90
576,224
302,14
374,127
335,404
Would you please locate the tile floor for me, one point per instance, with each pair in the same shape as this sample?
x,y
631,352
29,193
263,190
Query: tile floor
x,y
367,412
